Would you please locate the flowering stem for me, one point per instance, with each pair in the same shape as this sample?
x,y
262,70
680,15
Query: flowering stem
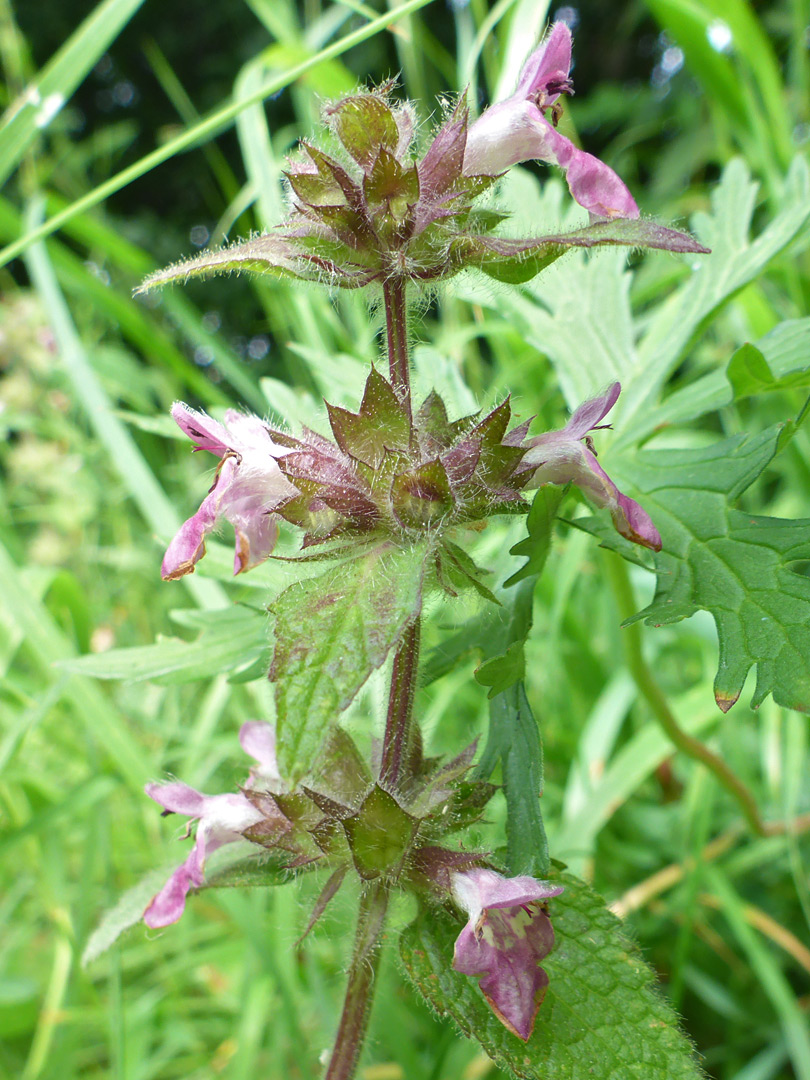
x,y
397,331
654,696
360,986
397,738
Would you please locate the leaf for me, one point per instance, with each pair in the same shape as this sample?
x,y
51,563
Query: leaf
x,y
332,631
579,313
601,1016
735,565
230,866
749,373
786,350
235,639
539,523
34,109
503,671
268,254
517,261
514,733
735,261
457,570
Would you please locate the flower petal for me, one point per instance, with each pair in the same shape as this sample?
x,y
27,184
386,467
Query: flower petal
x,y
223,818
206,433
258,739
177,798
548,64
505,939
587,416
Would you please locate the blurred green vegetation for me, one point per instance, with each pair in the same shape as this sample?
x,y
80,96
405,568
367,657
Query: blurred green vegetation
x,y
93,483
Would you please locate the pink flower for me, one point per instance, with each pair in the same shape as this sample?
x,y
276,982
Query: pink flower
x,y
506,937
221,820
517,130
567,456
248,486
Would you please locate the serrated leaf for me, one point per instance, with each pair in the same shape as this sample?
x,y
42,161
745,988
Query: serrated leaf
x,y
736,259
503,671
539,524
332,631
735,565
786,350
579,313
601,1015
235,639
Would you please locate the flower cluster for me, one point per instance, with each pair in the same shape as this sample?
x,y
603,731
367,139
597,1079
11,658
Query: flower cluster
x,y
379,211
387,473
353,821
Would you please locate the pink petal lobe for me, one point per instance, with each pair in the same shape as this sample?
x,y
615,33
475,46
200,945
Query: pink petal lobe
x,y
591,412
205,432
506,937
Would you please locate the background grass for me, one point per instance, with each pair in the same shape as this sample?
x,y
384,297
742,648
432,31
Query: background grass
x,y
145,138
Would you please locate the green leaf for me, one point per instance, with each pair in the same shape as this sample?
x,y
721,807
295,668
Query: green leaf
x,y
786,350
234,865
750,373
364,124
382,424
457,570
332,631
735,565
503,671
235,638
268,254
736,260
601,1016
422,496
514,736
539,524
517,261
514,732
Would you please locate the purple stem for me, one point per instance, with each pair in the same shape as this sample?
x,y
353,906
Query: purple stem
x,y
360,987
397,331
397,738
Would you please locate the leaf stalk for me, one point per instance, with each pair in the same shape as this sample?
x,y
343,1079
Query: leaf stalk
x,y
654,696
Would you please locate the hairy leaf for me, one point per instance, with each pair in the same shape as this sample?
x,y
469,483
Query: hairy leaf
x,y
733,564
236,864
332,631
601,1016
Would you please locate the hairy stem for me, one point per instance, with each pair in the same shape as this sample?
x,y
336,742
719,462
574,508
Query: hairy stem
x,y
654,696
360,987
397,331
397,739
